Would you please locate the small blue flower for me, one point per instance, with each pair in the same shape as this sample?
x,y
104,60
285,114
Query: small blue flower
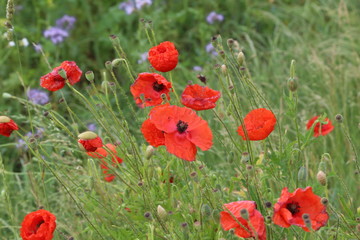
x,y
38,96
66,22
210,49
91,127
56,34
197,68
214,17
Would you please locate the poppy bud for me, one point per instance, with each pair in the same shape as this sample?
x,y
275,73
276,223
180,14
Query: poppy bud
x,y
6,95
292,84
4,119
89,141
89,75
206,210
241,58
148,215
108,66
245,157
149,152
302,174
321,177
244,214
322,166
62,73
161,212
202,78
339,118
116,62
223,69
358,227
324,201
268,204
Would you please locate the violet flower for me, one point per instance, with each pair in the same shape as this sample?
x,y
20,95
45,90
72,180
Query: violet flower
x,y
38,96
214,17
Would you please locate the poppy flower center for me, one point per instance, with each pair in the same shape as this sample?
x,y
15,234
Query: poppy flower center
x,y
181,126
293,207
158,87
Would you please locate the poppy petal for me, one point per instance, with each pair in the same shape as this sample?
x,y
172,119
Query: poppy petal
x,y
178,145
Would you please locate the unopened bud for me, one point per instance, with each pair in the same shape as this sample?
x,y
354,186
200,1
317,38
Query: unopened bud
x,y
223,69
244,213
245,157
321,177
302,174
149,152
202,78
161,212
324,201
305,216
292,84
89,75
206,210
116,62
358,227
6,95
322,166
268,204
4,119
88,135
62,73
108,66
241,58
339,118
147,215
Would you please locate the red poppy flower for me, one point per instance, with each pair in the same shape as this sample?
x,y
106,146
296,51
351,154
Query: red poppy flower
x,y
53,81
199,98
259,123
102,153
244,230
163,57
89,141
151,86
291,206
38,225
7,126
320,129
179,129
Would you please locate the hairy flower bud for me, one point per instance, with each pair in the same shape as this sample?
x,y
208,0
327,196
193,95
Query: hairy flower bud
x,y
321,177
161,212
89,75
241,58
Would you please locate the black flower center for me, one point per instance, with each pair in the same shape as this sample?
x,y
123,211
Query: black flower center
x,y
293,207
181,126
158,87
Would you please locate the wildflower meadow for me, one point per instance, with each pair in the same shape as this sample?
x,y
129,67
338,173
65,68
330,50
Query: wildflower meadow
x,y
194,120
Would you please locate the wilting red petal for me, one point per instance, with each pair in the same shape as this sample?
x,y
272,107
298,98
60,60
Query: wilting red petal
x,y
163,57
52,81
320,129
199,98
91,145
153,136
259,123
151,86
38,225
6,128
73,72
178,145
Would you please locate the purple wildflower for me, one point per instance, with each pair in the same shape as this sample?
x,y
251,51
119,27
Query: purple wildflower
x,y
91,127
21,144
38,96
143,58
56,34
213,17
197,68
66,22
130,6
38,47
210,49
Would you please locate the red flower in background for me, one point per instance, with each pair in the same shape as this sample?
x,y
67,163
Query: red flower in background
x,y
259,123
244,230
89,141
102,153
164,57
53,81
38,225
199,98
320,129
7,126
179,129
151,86
290,208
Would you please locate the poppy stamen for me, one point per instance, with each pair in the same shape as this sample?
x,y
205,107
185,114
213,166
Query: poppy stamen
x,y
293,207
158,87
181,126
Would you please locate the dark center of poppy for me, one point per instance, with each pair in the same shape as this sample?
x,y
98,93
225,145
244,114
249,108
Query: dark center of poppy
x,y
181,126
158,87
37,226
293,207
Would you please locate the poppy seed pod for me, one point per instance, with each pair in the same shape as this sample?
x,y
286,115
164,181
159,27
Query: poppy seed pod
x,y
321,177
161,212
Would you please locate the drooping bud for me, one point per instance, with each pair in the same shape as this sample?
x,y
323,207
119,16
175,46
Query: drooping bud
x,y
6,95
116,62
161,212
241,58
302,174
339,118
62,73
292,84
4,119
223,69
245,157
321,177
108,66
244,213
89,75
149,152
206,210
